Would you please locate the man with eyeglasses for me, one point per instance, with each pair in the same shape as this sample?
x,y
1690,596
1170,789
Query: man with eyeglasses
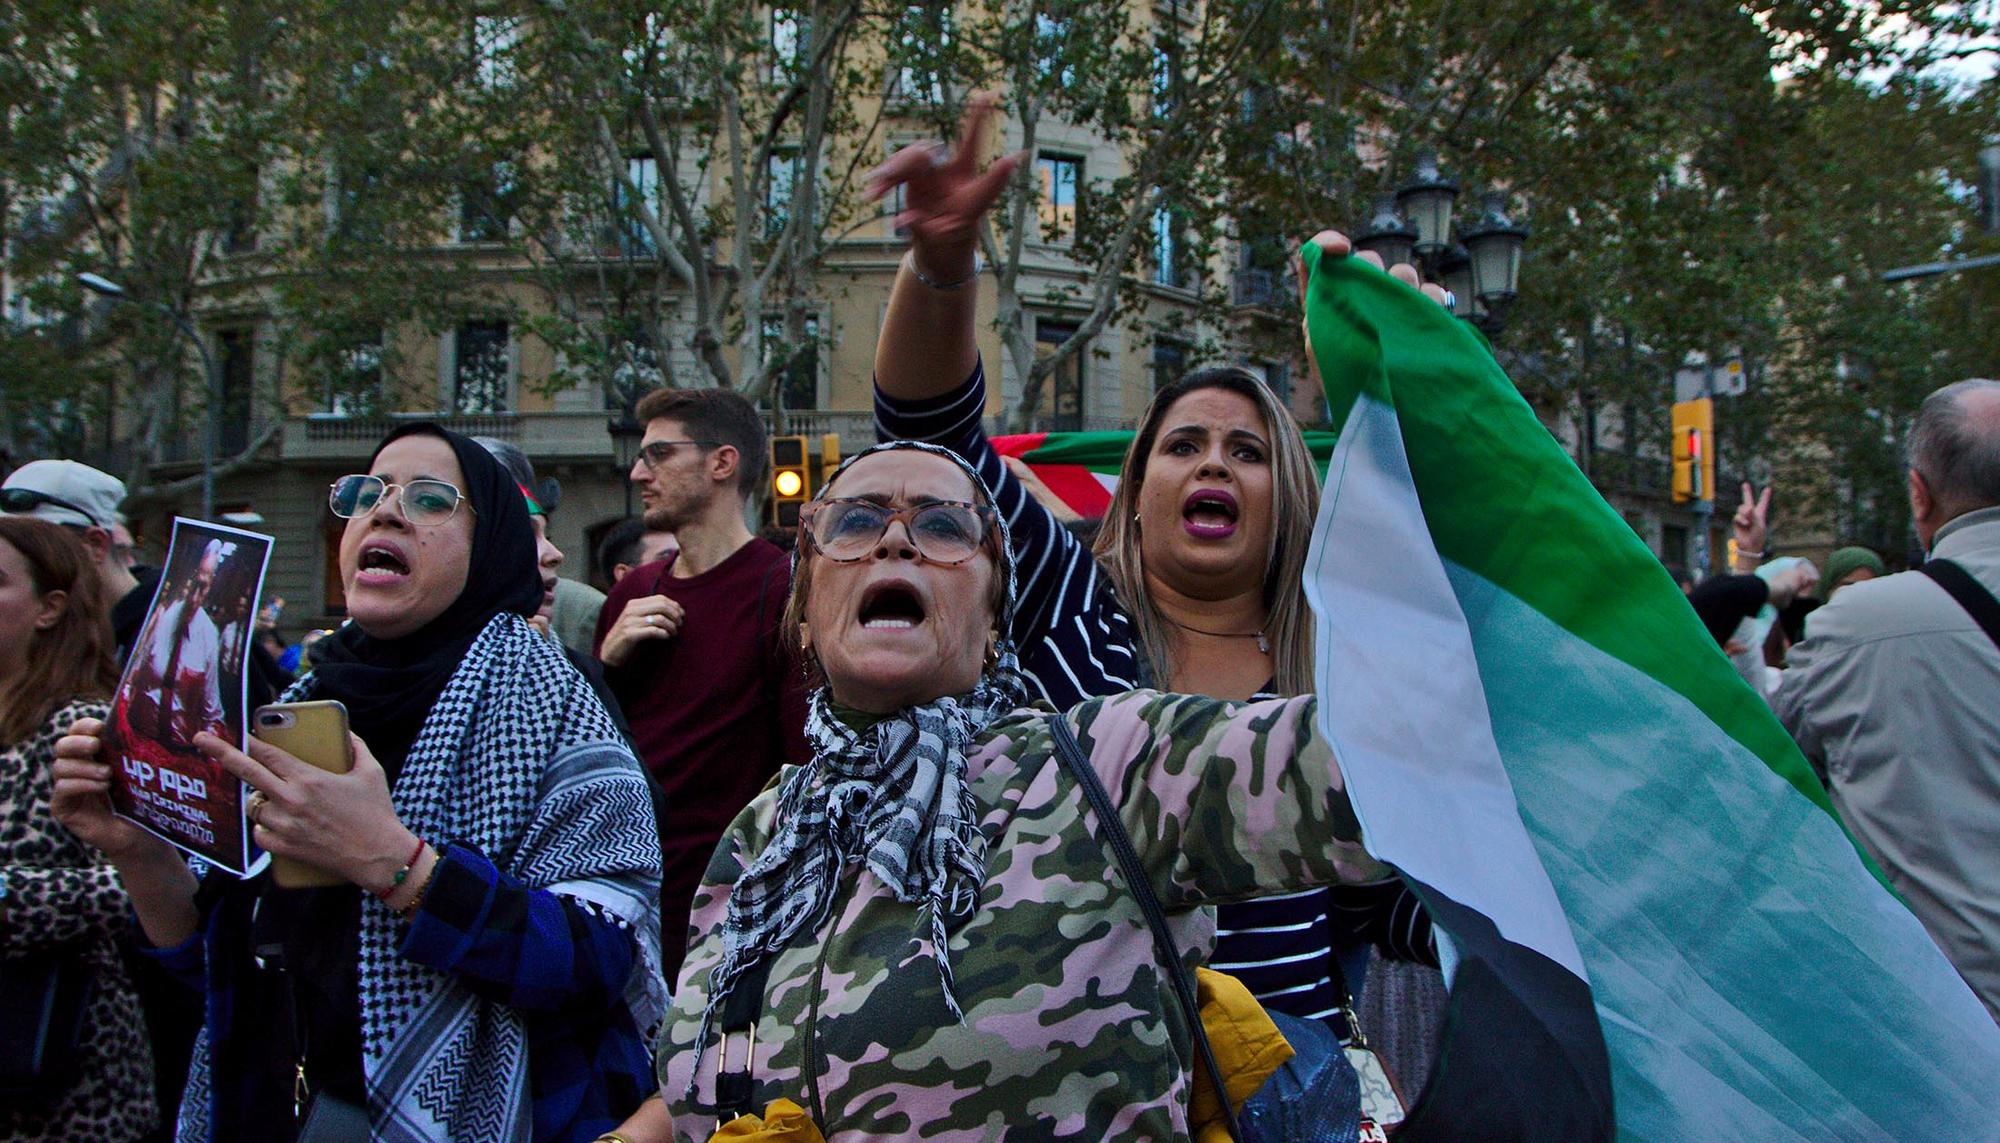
x,y
690,644
86,502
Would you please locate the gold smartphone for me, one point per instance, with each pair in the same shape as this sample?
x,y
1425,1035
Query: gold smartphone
x,y
315,733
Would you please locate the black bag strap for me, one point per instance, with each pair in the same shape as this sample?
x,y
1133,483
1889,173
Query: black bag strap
x,y
1111,833
735,1088
1970,594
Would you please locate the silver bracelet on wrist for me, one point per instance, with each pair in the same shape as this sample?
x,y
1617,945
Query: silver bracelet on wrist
x,y
910,260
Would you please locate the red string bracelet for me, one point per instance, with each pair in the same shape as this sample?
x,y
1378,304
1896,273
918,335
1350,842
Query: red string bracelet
x,y
402,874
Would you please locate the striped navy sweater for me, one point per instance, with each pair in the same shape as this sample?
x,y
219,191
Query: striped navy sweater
x,y
1076,642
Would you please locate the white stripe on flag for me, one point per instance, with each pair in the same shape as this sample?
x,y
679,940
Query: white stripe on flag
x,y
1411,731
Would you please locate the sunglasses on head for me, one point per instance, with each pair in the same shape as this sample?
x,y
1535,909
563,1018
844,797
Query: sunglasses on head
x,y
23,500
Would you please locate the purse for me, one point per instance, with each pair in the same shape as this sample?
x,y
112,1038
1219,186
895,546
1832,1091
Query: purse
x,y
43,997
1111,833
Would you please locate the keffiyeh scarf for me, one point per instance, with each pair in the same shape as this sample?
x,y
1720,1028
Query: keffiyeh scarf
x,y
519,760
892,796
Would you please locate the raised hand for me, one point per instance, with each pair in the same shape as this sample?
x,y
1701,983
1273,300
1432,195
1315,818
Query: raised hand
x,y
1752,523
945,194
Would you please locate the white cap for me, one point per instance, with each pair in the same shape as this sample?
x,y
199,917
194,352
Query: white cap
x,y
86,497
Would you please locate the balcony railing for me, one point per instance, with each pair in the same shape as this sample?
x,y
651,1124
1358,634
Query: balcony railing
x,y
1271,289
542,435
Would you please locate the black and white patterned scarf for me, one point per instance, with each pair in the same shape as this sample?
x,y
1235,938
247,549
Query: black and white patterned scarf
x,y
892,797
518,759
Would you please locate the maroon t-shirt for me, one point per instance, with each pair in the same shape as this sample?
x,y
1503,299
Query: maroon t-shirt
x,y
715,710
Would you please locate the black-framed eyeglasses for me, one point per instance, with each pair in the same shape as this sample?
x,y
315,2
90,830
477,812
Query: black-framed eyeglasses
x,y
426,503
20,501
944,531
657,453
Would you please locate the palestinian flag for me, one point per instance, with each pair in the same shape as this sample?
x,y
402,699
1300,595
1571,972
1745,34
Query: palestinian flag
x,y
1082,468
1658,927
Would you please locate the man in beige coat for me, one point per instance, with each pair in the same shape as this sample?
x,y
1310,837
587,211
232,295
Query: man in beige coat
x,y
1895,694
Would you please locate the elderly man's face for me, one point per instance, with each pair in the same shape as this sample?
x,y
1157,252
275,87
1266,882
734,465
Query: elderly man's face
x,y
204,578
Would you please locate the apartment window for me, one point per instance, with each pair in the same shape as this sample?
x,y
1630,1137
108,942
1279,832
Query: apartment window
x,y
633,238
1062,392
798,385
1169,362
783,176
352,207
1169,249
1674,547
494,40
485,205
1165,76
354,386
238,366
240,232
480,368
635,371
1061,178
789,45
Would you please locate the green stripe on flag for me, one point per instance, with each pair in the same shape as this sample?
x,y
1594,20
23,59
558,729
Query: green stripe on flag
x,y
1502,499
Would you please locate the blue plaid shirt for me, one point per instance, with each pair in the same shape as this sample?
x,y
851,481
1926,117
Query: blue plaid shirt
x,y
558,963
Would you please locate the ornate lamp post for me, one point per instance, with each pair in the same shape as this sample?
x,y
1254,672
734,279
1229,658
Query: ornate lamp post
x,y
1479,263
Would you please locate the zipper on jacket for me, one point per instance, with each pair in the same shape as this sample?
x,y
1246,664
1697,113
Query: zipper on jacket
x,y
813,1060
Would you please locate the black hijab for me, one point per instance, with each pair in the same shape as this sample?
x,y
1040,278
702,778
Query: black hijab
x,y
389,685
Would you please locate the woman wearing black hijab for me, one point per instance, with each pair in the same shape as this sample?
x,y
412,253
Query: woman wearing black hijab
x,y
488,970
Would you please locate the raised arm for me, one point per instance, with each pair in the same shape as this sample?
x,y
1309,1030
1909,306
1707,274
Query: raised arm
x,y
927,343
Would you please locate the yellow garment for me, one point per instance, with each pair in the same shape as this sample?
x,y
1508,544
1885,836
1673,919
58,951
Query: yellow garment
x,y
782,1122
1248,1048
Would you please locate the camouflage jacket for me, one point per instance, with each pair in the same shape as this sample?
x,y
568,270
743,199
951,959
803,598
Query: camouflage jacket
x,y
1071,1030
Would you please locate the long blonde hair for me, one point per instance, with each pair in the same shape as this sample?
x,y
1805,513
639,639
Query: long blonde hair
x,y
1294,504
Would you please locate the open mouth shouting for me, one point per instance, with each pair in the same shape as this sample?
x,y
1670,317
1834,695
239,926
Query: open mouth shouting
x,y
1209,514
892,605
382,564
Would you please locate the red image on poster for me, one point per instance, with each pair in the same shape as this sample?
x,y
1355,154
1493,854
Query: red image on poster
x,y
186,677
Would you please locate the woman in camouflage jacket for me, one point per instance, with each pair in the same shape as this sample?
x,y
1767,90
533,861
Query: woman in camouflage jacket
x,y
920,927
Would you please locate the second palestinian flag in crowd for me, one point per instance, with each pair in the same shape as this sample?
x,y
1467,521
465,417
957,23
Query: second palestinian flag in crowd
x,y
1082,468
1659,930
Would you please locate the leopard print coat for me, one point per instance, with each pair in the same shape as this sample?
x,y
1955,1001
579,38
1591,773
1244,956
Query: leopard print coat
x,y
62,894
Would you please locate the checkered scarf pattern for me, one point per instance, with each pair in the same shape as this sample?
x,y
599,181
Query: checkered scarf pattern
x,y
892,797
519,760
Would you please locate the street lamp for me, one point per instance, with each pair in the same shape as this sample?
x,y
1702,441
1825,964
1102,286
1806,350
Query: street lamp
x,y
1388,235
1495,243
99,284
1427,200
1479,263
626,433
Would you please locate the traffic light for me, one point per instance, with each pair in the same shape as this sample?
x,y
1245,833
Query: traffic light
x,y
791,480
1694,450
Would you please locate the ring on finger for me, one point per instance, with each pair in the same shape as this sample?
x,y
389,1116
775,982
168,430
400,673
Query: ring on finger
x,y
254,806
1450,300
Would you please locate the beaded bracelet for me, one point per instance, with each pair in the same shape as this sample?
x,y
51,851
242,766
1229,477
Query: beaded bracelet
x,y
402,874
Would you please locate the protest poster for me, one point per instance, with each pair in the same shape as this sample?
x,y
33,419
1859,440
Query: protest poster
x,y
186,675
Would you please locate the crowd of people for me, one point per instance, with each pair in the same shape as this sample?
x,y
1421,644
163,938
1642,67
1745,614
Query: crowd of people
x,y
808,832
